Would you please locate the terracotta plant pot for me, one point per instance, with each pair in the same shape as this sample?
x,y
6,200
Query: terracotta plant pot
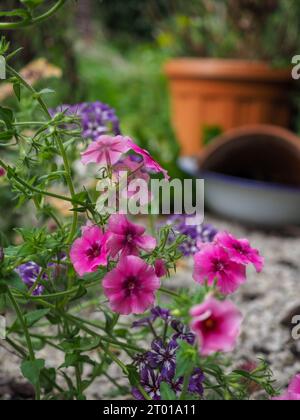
x,y
212,94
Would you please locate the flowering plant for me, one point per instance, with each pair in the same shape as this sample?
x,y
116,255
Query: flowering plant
x,y
90,285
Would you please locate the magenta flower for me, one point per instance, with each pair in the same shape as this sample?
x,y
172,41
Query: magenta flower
x,y
131,286
2,171
89,252
240,250
160,268
293,391
127,238
217,326
106,150
134,171
149,162
213,263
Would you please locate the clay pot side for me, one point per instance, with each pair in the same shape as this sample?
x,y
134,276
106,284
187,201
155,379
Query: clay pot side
x,y
210,93
258,153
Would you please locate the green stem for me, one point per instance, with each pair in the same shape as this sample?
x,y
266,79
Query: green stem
x,y
78,379
28,22
27,336
38,191
70,185
185,386
169,292
60,146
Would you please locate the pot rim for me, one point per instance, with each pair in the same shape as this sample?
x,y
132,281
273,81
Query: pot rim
x,y
254,130
226,69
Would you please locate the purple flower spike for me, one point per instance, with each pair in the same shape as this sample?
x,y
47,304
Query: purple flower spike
x,y
195,234
164,358
97,118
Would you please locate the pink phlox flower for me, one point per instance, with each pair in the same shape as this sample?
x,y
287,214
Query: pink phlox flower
x,y
127,238
149,162
212,263
131,286
240,250
89,251
133,179
106,150
217,325
293,391
160,268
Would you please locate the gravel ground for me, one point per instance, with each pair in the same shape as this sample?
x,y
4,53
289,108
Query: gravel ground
x,y
268,302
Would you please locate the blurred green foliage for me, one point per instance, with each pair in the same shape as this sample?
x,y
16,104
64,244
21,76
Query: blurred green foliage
x,y
134,84
250,29
114,51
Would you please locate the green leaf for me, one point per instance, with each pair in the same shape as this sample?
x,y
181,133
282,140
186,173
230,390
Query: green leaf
x,y
31,318
48,377
167,393
17,90
7,116
111,321
72,359
31,370
3,287
6,135
46,91
133,376
81,344
186,358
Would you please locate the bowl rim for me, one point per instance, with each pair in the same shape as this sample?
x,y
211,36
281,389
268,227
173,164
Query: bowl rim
x,y
250,183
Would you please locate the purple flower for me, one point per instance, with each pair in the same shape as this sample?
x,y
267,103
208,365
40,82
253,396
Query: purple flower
x,y
176,385
163,357
182,332
141,361
156,313
198,233
150,381
196,382
29,273
161,313
97,118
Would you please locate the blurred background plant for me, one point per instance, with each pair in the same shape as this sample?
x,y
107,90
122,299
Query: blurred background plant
x,y
114,51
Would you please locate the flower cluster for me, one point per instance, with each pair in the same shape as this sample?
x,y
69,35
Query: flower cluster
x,y
96,118
130,286
159,364
224,261
195,234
